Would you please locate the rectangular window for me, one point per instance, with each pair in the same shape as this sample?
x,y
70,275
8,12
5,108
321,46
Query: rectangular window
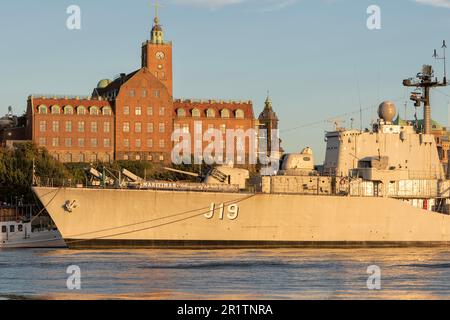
x,y
162,127
81,142
223,128
106,126
55,126
55,142
144,93
126,143
42,126
126,110
138,127
94,142
149,143
185,128
132,93
156,93
81,126
42,142
149,127
138,143
138,111
68,126
68,142
126,127
94,126
149,111
161,143
162,111
177,126
106,143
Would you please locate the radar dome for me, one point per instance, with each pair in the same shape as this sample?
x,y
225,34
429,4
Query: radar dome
x,y
103,83
387,111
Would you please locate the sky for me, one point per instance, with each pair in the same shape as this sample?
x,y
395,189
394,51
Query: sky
x,y
317,58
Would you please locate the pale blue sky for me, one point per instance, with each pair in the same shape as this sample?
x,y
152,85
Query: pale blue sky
x,y
310,54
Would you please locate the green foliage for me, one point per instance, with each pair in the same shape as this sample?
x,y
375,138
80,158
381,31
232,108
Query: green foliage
x,y
16,167
16,170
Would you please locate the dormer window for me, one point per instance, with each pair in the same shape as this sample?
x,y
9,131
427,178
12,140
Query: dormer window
x,y
239,114
68,110
56,109
210,113
225,113
42,109
195,113
81,110
181,113
93,111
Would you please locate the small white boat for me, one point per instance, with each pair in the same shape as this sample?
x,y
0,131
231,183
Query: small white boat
x,y
16,231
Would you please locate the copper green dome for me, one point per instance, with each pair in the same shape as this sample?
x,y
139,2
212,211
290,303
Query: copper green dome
x,y
103,83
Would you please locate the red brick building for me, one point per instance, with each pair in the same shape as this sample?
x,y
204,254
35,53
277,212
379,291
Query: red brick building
x,y
132,117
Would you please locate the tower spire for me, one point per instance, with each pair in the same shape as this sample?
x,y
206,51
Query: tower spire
x,y
268,103
157,32
156,19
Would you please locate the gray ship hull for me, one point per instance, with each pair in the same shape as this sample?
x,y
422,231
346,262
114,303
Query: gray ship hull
x,y
118,218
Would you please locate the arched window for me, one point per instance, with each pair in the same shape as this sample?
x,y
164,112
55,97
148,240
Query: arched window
x,y
106,111
56,109
210,113
195,113
81,110
225,113
181,112
239,114
68,110
42,109
93,111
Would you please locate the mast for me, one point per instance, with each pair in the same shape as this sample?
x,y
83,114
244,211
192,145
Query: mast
x,y
425,80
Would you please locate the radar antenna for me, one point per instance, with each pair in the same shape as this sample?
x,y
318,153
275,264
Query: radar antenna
x,y
424,81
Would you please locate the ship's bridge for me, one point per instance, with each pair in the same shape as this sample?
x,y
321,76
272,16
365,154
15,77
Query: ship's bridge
x,y
407,154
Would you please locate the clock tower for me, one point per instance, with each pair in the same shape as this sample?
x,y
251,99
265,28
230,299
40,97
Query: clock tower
x,y
157,55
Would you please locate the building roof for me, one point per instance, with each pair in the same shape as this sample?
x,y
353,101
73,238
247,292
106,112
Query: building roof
x,y
268,113
216,105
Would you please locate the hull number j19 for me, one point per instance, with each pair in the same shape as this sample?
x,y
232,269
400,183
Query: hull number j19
x,y
232,211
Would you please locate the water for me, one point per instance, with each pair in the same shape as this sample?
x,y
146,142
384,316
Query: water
x,y
416,273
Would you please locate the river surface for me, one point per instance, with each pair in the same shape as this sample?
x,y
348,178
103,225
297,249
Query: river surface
x,y
413,273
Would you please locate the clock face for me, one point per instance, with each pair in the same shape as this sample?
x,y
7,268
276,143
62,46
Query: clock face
x,y
160,55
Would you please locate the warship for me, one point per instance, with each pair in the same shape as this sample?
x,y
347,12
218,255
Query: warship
x,y
384,186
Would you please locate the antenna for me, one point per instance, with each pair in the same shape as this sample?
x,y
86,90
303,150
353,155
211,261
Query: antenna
x,y
444,58
337,123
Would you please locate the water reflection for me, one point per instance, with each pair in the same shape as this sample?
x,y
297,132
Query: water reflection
x,y
407,273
